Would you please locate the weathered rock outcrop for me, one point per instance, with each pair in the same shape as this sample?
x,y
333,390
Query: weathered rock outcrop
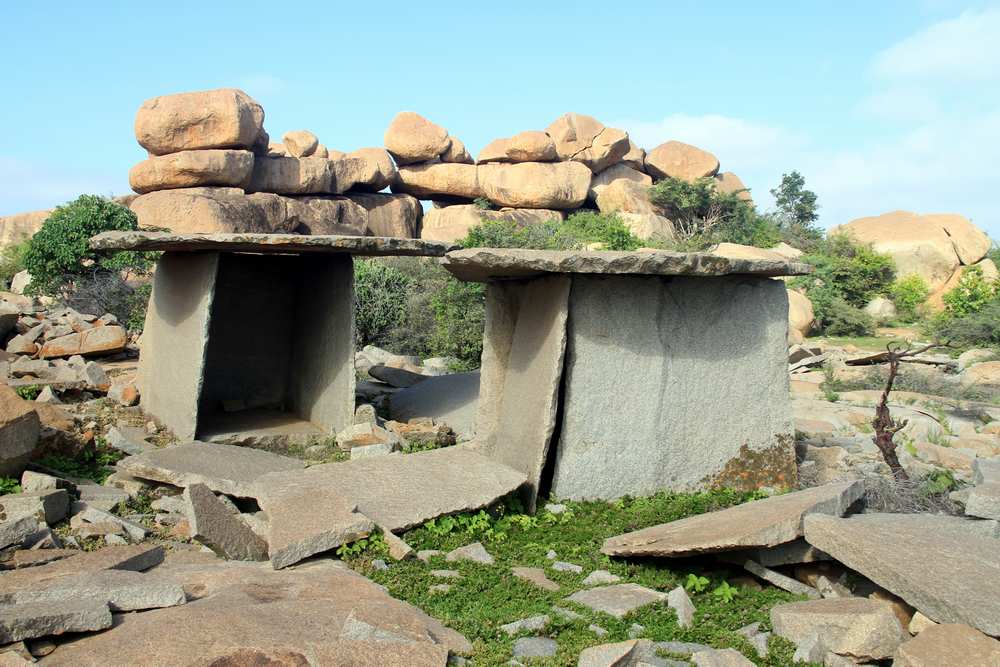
x,y
438,181
452,223
412,138
558,185
675,159
223,118
189,169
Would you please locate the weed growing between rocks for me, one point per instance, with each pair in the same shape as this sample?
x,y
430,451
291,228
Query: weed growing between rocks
x,y
485,597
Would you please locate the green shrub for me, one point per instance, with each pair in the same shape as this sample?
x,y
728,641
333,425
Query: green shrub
x,y
59,255
9,485
971,294
796,212
979,329
702,215
578,230
909,294
836,317
12,260
138,302
853,270
459,320
380,300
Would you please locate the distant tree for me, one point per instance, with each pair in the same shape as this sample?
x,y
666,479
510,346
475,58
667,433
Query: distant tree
x,y
796,212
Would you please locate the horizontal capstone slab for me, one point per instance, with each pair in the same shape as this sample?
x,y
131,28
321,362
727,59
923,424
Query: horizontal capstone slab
x,y
268,243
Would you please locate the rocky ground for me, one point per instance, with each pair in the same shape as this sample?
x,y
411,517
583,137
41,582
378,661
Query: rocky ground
x,y
119,536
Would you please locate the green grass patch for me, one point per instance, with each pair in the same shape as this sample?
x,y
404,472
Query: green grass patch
x,y
487,597
94,464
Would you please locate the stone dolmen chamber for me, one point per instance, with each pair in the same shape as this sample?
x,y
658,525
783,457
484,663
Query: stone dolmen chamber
x,y
614,373
211,369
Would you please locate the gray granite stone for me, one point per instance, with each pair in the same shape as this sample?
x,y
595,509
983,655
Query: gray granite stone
x,y
268,243
618,599
984,501
217,527
41,619
474,552
482,264
535,647
950,576
49,505
122,590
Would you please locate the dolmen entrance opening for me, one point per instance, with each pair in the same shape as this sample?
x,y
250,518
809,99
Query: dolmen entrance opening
x,y
213,369
625,373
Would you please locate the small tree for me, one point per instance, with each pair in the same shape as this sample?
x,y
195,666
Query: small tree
x,y
59,255
796,211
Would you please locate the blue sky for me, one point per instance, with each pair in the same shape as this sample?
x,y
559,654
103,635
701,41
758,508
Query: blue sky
x,y
881,106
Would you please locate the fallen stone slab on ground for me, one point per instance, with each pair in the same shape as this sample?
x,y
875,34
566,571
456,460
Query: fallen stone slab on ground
x,y
762,523
121,590
933,562
857,627
48,505
41,619
399,492
247,613
948,644
225,469
135,557
984,501
618,599
216,526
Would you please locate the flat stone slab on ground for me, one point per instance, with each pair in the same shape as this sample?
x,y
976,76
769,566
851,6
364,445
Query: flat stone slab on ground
x,y
617,600
133,557
727,657
317,613
948,644
933,562
535,647
268,243
225,469
535,576
761,523
121,590
400,492
48,505
483,264
984,501
41,619
474,552
217,527
858,627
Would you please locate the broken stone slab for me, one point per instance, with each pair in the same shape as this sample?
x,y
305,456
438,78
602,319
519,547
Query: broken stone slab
x,y
483,264
780,580
15,532
268,243
136,558
761,523
129,439
948,644
600,578
41,619
561,566
531,624
271,616
82,511
306,520
789,553
535,647
727,657
396,377
398,549
49,505
857,627
217,527
524,349
535,576
617,600
401,492
34,557
986,470
101,497
121,590
678,600
984,501
97,341
225,469
474,552
954,579
367,434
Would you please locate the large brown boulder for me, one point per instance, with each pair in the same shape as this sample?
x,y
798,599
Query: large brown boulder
x,y
495,151
301,143
531,146
212,210
438,181
381,170
456,152
623,195
19,429
558,185
585,139
320,216
635,157
97,341
223,118
675,159
620,171
729,183
292,175
412,138
453,223
800,316
21,226
391,215
930,246
191,169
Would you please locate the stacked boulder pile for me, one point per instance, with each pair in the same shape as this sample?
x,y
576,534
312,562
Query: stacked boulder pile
x,y
537,176
212,168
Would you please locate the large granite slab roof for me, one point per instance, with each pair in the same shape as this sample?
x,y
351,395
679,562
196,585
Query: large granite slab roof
x,y
268,243
484,264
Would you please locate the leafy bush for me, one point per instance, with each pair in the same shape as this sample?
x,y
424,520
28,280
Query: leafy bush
x,y
702,215
578,230
138,302
978,329
909,294
836,317
12,260
59,255
459,320
9,485
380,300
854,271
971,294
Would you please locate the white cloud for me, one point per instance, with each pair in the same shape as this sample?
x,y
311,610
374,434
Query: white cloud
x,y
965,48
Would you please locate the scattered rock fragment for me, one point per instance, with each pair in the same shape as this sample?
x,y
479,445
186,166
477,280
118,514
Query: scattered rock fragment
x,y
678,600
600,578
536,576
728,657
857,627
531,624
617,600
535,647
41,619
561,566
474,552
217,527
948,644
780,580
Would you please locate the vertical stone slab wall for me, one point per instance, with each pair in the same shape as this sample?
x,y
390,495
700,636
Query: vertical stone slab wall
x,y
174,339
674,383
525,353
321,384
